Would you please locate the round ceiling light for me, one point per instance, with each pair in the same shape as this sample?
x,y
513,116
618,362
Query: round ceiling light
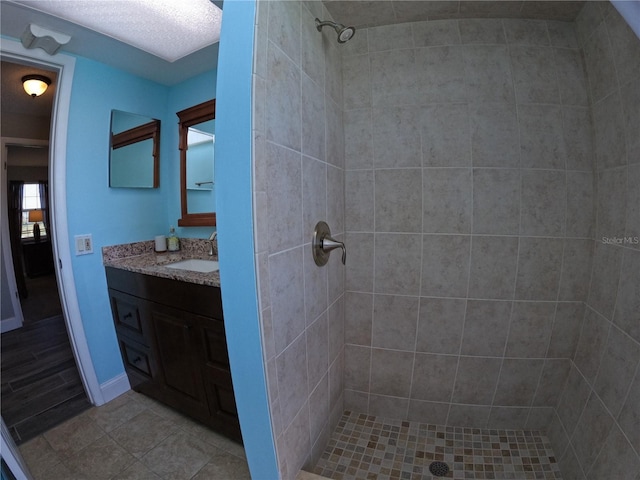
x,y
35,85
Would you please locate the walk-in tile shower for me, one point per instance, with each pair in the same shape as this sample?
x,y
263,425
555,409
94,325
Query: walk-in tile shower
x,y
482,168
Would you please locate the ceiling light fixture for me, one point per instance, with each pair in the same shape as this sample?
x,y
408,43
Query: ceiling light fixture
x,y
165,28
35,85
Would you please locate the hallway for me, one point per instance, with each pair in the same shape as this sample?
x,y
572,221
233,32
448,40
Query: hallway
x,y
41,387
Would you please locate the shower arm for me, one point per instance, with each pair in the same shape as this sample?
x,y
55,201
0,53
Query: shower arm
x,y
325,23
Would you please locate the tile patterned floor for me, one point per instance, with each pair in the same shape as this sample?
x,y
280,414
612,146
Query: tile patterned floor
x,y
133,438
368,447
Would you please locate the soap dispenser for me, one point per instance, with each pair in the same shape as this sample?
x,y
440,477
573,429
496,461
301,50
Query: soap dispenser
x,y
173,243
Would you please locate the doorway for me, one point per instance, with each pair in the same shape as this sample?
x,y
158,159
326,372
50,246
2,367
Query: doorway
x,y
64,65
41,384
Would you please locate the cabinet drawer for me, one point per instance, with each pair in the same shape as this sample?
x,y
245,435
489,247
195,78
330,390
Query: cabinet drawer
x,y
136,357
129,317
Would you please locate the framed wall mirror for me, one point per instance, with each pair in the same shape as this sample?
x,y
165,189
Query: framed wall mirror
x,y
134,159
197,187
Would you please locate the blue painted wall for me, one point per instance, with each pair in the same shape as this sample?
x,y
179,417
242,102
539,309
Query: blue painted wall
x,y
235,238
113,215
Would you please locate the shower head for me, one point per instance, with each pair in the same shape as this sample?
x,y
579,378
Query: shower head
x,y
344,33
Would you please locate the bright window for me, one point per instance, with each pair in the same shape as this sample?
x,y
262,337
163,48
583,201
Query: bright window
x,y
30,202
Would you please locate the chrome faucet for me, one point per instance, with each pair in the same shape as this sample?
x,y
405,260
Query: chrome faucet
x,y
212,237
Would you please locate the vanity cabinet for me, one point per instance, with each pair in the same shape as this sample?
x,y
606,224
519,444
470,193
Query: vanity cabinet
x,y
173,345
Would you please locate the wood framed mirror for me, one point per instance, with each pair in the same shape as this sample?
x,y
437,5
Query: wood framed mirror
x,y
196,139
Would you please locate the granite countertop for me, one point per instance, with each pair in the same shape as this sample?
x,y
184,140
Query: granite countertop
x,y
140,257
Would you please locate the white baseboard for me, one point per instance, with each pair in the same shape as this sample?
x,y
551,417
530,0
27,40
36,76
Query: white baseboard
x,y
115,387
9,324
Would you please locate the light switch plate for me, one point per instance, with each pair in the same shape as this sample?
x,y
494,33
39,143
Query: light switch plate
x,y
84,244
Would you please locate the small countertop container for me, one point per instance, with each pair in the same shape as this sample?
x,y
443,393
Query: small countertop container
x,y
140,257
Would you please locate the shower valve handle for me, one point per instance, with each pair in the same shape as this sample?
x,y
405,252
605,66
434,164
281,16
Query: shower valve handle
x,y
322,245
329,244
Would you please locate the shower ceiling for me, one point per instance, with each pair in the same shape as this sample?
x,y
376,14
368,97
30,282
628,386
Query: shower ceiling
x,y
365,13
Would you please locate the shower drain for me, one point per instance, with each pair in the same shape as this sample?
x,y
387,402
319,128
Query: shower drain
x,y
439,469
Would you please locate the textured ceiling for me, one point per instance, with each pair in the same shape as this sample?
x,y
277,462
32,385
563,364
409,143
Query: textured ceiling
x,y
14,18
366,13
165,28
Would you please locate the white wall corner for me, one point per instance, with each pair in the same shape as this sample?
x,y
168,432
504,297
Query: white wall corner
x,y
114,387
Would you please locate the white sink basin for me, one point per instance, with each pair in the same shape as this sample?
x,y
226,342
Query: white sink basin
x,y
195,265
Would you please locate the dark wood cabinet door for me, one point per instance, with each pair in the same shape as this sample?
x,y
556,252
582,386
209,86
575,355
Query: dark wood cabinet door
x,y
217,378
178,355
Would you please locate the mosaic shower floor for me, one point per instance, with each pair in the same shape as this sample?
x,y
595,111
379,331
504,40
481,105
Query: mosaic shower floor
x,y
367,447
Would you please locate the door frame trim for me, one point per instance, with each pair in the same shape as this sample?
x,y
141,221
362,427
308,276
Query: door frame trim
x,y
65,66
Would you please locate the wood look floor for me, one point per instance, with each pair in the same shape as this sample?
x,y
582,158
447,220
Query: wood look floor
x,y
40,384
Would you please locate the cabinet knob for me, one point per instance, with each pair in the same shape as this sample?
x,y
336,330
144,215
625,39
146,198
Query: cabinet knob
x,y
128,315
